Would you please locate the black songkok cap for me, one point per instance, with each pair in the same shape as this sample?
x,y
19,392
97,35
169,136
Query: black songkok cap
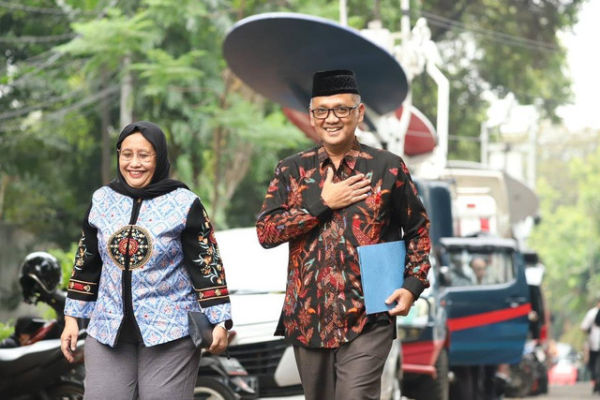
x,y
327,83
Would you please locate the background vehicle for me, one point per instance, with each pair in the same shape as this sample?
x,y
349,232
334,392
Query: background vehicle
x,y
38,369
530,375
221,378
487,320
566,365
257,277
423,332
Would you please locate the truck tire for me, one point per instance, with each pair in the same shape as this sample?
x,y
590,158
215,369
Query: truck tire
x,y
464,384
435,389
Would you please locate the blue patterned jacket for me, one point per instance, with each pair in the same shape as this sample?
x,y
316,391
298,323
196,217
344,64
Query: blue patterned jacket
x,y
173,260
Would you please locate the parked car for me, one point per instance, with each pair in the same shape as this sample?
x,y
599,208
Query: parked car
x,y
256,278
566,365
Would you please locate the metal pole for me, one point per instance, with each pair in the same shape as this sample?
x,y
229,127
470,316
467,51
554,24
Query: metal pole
x,y
531,167
405,21
484,138
343,13
398,146
443,105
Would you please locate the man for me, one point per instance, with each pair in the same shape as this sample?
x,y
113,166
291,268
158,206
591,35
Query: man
x,y
591,325
479,266
326,202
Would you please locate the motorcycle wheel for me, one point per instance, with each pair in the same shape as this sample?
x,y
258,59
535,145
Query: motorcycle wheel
x,y
66,391
211,389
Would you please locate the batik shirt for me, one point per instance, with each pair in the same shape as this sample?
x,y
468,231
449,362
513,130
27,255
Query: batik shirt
x,y
324,304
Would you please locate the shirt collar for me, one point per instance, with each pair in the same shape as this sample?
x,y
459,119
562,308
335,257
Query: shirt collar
x,y
349,158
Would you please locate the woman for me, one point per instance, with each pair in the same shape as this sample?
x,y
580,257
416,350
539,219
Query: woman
x,y
146,257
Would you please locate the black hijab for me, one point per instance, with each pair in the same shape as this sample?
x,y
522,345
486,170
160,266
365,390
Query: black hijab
x,y
160,183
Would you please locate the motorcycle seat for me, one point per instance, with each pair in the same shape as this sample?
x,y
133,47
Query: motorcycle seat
x,y
14,361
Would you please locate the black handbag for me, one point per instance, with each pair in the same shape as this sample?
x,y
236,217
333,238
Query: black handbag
x,y
200,329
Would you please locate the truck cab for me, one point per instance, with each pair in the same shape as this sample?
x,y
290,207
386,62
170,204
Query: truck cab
x,y
474,315
487,300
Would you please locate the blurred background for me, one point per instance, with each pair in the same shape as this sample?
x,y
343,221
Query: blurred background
x,y
521,74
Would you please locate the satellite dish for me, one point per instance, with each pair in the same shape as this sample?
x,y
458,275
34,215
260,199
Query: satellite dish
x,y
276,54
421,137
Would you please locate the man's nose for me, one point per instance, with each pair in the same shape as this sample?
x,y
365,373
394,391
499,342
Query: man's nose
x,y
331,117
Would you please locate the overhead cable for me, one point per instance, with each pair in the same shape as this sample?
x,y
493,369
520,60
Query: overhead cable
x,y
109,91
37,39
501,37
40,10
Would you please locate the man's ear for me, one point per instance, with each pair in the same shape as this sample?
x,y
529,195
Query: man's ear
x,y
361,112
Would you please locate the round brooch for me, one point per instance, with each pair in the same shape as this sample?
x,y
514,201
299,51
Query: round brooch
x,y
136,246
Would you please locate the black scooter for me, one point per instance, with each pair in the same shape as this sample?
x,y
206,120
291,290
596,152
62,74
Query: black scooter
x,y
36,368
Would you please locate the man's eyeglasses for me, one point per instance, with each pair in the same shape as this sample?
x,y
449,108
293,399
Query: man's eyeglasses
x,y
142,157
339,111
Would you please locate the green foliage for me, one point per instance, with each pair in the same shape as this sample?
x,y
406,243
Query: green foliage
x,y
568,237
6,329
61,98
65,259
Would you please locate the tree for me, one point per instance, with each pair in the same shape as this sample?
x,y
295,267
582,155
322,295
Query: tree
x,y
43,141
502,47
101,62
568,237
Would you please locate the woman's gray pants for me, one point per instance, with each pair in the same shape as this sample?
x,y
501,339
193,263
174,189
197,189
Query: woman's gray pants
x,y
165,371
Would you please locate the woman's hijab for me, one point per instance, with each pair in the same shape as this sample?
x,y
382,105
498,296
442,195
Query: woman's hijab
x,y
160,183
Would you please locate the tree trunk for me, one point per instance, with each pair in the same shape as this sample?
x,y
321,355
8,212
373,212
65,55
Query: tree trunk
x,y
4,181
105,125
219,146
126,93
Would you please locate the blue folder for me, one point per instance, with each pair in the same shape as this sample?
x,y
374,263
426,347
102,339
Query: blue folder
x,y
382,272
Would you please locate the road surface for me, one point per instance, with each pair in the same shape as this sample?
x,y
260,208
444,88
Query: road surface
x,y
579,391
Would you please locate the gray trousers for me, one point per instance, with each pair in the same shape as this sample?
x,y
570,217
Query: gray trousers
x,y
129,370
350,372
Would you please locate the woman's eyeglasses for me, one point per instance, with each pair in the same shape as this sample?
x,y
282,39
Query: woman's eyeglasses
x,y
142,157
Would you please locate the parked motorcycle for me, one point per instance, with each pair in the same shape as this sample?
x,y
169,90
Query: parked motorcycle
x,y
530,376
222,378
36,367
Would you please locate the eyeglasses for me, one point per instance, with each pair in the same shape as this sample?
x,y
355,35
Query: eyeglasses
x,y
339,111
143,157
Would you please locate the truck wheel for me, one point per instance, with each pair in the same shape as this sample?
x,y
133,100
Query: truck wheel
x,y
435,389
211,389
463,386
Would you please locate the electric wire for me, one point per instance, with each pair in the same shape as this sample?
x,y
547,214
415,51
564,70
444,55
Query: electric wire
x,y
41,10
500,37
37,39
57,114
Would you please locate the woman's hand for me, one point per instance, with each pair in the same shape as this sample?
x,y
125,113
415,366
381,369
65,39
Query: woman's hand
x,y
68,339
219,342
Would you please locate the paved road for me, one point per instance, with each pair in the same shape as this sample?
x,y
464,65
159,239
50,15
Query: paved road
x,y
579,391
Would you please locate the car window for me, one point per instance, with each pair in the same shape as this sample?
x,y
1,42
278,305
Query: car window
x,y
472,268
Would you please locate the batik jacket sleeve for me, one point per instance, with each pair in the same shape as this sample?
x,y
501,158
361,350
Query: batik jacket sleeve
x,y
204,265
283,216
410,215
83,285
